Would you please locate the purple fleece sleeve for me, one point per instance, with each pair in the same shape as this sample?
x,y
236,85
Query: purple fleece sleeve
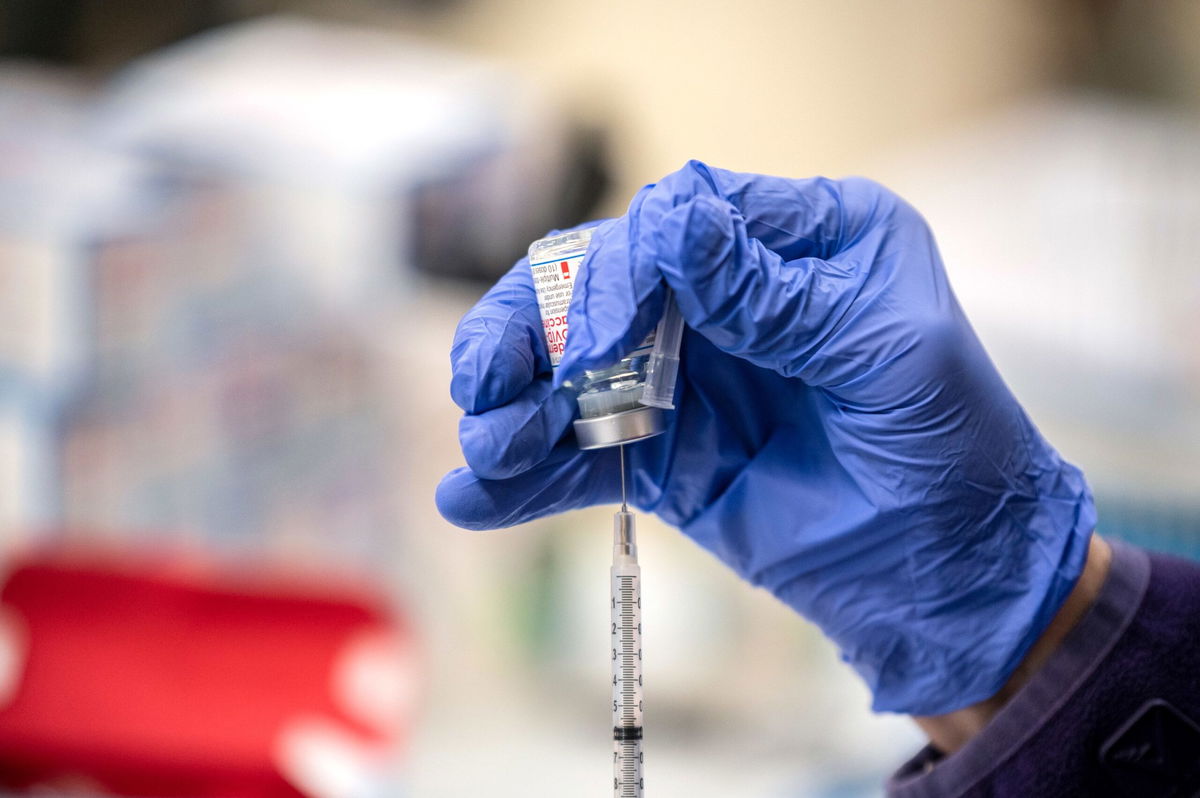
x,y
1114,712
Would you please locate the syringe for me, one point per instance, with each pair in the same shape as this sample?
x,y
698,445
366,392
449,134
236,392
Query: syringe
x,y
626,578
621,404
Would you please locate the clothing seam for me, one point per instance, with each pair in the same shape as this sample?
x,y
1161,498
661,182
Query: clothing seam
x,y
1066,695
1133,577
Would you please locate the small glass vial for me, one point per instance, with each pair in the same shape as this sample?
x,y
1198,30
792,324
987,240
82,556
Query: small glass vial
x,y
611,406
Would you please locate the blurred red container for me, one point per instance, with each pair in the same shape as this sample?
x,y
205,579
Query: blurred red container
x,y
140,677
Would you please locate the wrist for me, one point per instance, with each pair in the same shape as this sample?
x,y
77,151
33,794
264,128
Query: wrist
x,y
951,731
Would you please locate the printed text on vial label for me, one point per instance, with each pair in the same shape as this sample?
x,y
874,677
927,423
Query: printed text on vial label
x,y
553,282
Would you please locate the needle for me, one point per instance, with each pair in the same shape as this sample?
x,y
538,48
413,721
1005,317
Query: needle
x,y
624,508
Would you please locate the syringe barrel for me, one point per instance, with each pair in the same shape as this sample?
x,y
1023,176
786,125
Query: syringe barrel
x,y
627,768
626,662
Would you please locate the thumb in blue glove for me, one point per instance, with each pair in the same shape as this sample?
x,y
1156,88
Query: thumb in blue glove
x,y
842,438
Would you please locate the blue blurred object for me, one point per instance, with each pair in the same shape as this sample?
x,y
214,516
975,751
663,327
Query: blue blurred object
x,y
842,439
1167,527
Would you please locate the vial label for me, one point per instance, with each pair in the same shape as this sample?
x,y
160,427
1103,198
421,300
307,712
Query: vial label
x,y
554,281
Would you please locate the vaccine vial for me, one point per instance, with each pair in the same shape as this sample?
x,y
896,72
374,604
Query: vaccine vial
x,y
615,405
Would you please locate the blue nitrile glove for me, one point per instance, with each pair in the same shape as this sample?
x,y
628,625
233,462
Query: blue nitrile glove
x,y
842,438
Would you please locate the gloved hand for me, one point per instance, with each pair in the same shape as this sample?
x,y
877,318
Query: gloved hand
x,y
841,438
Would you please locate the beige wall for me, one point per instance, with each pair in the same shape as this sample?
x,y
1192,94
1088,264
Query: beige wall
x,y
769,86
